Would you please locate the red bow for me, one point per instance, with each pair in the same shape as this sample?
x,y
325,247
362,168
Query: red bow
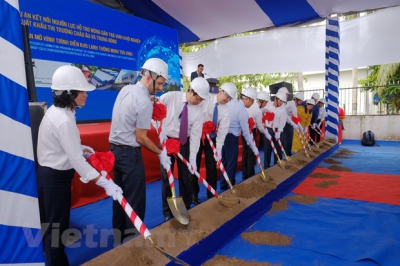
x,y
173,146
102,161
208,127
268,116
251,123
159,111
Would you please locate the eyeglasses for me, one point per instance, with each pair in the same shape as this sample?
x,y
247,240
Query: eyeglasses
x,y
261,101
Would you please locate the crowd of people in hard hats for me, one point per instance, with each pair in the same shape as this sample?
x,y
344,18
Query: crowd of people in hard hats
x,y
234,115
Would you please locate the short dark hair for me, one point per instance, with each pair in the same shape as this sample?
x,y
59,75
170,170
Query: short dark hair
x,y
65,99
200,65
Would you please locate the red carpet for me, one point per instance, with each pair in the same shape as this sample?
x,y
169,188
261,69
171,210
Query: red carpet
x,y
96,136
382,188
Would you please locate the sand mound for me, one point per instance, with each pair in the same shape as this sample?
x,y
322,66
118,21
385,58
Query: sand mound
x,y
303,199
339,168
326,184
323,175
267,238
226,261
332,161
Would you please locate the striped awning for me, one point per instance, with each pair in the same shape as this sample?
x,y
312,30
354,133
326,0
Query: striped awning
x,y
203,20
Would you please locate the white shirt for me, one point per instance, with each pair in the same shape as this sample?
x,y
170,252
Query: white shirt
x,y
174,101
254,111
322,113
280,116
132,109
59,144
239,120
291,109
223,118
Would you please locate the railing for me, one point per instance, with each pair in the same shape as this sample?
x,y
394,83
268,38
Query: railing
x,y
365,104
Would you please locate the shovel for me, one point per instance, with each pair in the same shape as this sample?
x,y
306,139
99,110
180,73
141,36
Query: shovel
x,y
262,173
141,227
221,166
281,164
280,144
176,204
221,200
323,136
302,142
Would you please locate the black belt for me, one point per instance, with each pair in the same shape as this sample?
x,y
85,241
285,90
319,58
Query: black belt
x,y
115,146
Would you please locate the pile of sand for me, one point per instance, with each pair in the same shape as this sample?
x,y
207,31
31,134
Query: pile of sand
x,y
205,218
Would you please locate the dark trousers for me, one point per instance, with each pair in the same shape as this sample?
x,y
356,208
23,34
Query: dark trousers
x,y
211,168
248,158
129,174
185,190
230,153
268,149
317,136
287,139
313,135
54,189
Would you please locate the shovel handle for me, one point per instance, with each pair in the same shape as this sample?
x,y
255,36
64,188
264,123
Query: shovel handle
x,y
168,169
221,166
190,167
137,222
141,227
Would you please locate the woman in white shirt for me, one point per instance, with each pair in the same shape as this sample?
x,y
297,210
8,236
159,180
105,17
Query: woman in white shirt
x,y
60,154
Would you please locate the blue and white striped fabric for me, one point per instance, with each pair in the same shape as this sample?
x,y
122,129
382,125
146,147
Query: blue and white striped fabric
x,y
211,19
20,234
181,68
332,76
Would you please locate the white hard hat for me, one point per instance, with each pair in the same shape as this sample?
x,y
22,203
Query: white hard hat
x,y
311,101
299,95
156,66
263,95
85,68
250,93
284,89
281,95
315,95
229,88
322,100
200,86
67,78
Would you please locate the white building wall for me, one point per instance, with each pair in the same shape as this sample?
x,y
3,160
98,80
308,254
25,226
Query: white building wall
x,y
385,127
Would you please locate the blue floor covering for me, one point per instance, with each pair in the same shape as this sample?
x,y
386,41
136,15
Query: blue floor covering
x,y
93,222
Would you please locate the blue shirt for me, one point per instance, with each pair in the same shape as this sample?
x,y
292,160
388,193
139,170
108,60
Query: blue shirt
x,y
239,120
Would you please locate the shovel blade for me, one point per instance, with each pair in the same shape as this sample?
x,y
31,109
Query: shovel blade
x,y
178,209
281,164
169,256
263,177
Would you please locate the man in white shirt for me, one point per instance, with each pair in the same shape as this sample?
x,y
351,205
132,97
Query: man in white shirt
x,y
180,105
254,111
60,154
238,124
279,122
287,136
321,116
130,122
215,110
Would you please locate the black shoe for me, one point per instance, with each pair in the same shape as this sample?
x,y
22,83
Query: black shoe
x,y
195,200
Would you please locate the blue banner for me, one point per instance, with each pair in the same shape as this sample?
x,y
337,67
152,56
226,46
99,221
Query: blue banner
x,y
107,45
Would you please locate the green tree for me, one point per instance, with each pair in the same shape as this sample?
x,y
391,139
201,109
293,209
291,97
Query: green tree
x,y
385,79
